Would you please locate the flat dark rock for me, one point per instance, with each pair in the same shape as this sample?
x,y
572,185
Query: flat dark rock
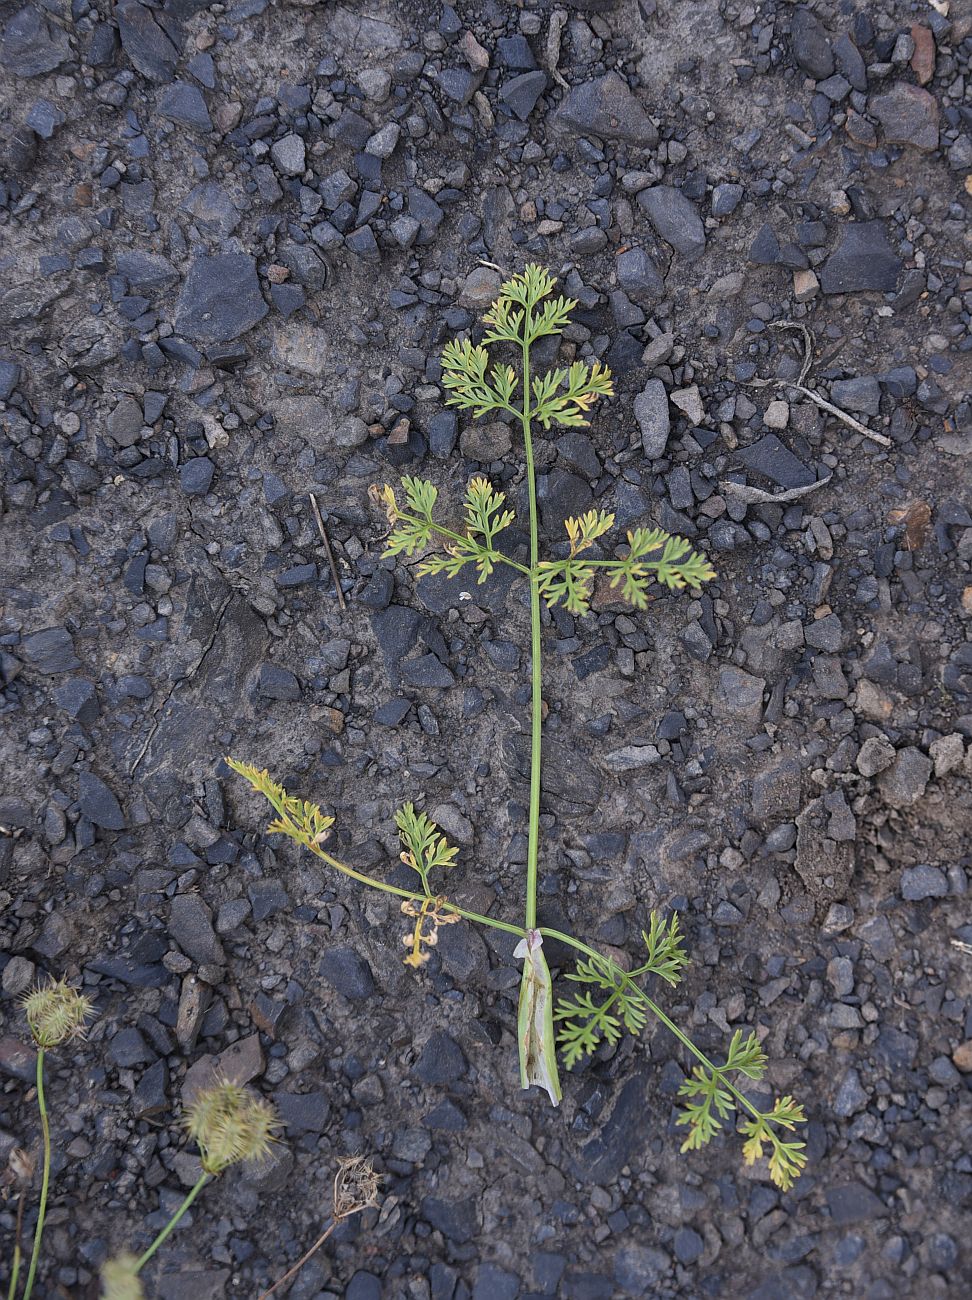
x,y
220,299
863,260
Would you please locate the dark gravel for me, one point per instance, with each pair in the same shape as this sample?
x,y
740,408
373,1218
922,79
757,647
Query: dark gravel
x,y
233,239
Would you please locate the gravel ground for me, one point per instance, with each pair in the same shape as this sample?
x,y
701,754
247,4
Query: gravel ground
x,y
233,239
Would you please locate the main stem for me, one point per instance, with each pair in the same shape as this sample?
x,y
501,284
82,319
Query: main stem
x,y
45,1177
203,1180
533,845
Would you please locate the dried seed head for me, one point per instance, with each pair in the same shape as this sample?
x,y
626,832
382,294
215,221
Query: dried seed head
x,y
119,1280
230,1124
56,1013
22,1165
355,1186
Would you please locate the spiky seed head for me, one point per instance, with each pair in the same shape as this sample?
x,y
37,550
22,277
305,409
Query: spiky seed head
x,y
56,1013
230,1124
355,1186
119,1279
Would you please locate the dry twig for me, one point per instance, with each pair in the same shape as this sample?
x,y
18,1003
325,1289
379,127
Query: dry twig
x,y
342,603
800,387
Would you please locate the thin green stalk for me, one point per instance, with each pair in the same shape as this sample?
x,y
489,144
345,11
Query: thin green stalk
x,y
533,845
204,1178
660,1015
45,1176
17,1254
410,894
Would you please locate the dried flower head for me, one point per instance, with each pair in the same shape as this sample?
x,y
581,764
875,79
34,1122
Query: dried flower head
x,y
355,1186
56,1013
22,1165
230,1124
119,1279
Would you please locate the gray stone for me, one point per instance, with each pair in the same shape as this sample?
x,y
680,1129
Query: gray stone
x,y
301,347
212,208
363,244
143,40
9,379
520,94
457,1220
79,700
740,692
145,270
303,1112
862,394
854,1203
183,104
606,108
220,299
639,277
427,671
908,115
289,155
811,48
441,1060
923,881
99,804
50,651
486,442
191,926
276,683
31,46
874,756
442,431
196,476
652,413
382,144
44,118
347,971
905,780
774,461
863,260
675,219
726,197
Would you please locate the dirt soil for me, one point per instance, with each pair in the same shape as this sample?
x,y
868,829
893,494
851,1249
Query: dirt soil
x,y
233,240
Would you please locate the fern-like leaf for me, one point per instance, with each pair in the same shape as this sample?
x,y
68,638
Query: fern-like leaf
x,y
666,955
299,819
568,581
585,1022
465,382
584,385
424,848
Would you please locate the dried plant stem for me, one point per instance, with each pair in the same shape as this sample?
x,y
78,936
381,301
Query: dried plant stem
x,y
291,1272
45,1176
200,1184
342,603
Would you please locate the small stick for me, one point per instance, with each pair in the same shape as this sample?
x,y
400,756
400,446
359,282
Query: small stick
x,y
342,603
302,1261
757,496
800,387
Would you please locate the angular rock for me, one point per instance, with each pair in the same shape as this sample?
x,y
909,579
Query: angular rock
x,y
99,804
639,277
905,780
212,208
863,260
183,104
854,1203
289,154
811,48
276,683
520,94
771,459
145,270
220,299
31,46
908,115
441,1060
922,882
196,476
654,420
143,40
191,926
607,108
301,347
347,971
79,700
741,693
50,651
675,219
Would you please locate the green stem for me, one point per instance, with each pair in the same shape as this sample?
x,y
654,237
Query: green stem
x,y
476,917
204,1178
656,1011
45,1177
17,1254
533,845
